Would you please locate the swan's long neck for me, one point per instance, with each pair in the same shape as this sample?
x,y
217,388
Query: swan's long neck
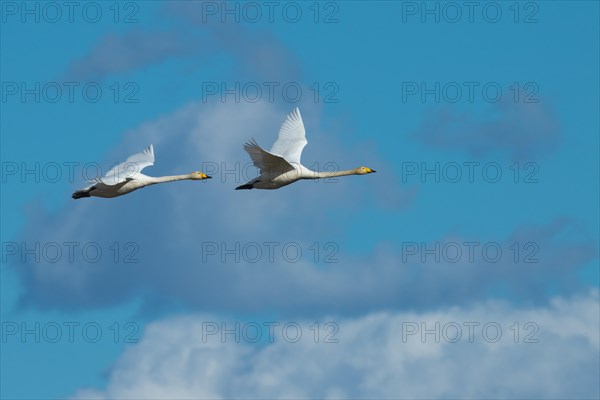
x,y
332,174
168,178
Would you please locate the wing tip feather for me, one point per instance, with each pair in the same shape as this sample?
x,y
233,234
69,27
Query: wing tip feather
x,y
150,152
296,114
251,143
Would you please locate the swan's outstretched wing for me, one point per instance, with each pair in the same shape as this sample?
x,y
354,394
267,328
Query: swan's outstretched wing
x,y
268,163
128,169
292,138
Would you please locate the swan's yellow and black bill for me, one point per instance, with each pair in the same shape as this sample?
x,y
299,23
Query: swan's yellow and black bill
x,y
369,170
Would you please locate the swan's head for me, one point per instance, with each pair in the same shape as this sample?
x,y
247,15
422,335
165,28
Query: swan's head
x,y
364,170
197,175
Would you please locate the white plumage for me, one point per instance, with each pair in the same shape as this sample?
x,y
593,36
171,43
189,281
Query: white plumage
x,y
126,177
281,166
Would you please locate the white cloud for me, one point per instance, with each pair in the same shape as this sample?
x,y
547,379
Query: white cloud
x,y
371,359
169,223
523,130
256,53
132,50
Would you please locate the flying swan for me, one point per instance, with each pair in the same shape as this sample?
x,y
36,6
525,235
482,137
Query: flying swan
x,y
281,166
127,177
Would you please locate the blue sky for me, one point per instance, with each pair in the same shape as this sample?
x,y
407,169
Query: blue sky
x,y
387,75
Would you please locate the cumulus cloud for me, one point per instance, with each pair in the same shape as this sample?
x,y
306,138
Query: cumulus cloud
x,y
182,233
523,131
132,50
169,224
544,352
256,53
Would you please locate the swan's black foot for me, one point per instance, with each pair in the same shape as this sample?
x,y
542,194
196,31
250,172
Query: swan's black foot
x,y
83,193
246,186
80,193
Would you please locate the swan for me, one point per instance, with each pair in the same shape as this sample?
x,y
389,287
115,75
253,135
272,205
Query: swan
x,y
281,166
126,177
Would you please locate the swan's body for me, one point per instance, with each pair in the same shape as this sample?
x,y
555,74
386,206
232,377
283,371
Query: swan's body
x,y
127,177
281,166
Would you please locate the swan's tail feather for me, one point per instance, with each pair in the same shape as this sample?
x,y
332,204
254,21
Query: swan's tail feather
x,y
81,193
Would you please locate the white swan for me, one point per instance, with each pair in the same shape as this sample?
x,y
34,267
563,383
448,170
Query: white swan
x,y
126,177
281,166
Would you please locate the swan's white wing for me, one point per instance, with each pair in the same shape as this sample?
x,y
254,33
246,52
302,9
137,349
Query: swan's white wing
x,y
267,163
128,169
292,138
